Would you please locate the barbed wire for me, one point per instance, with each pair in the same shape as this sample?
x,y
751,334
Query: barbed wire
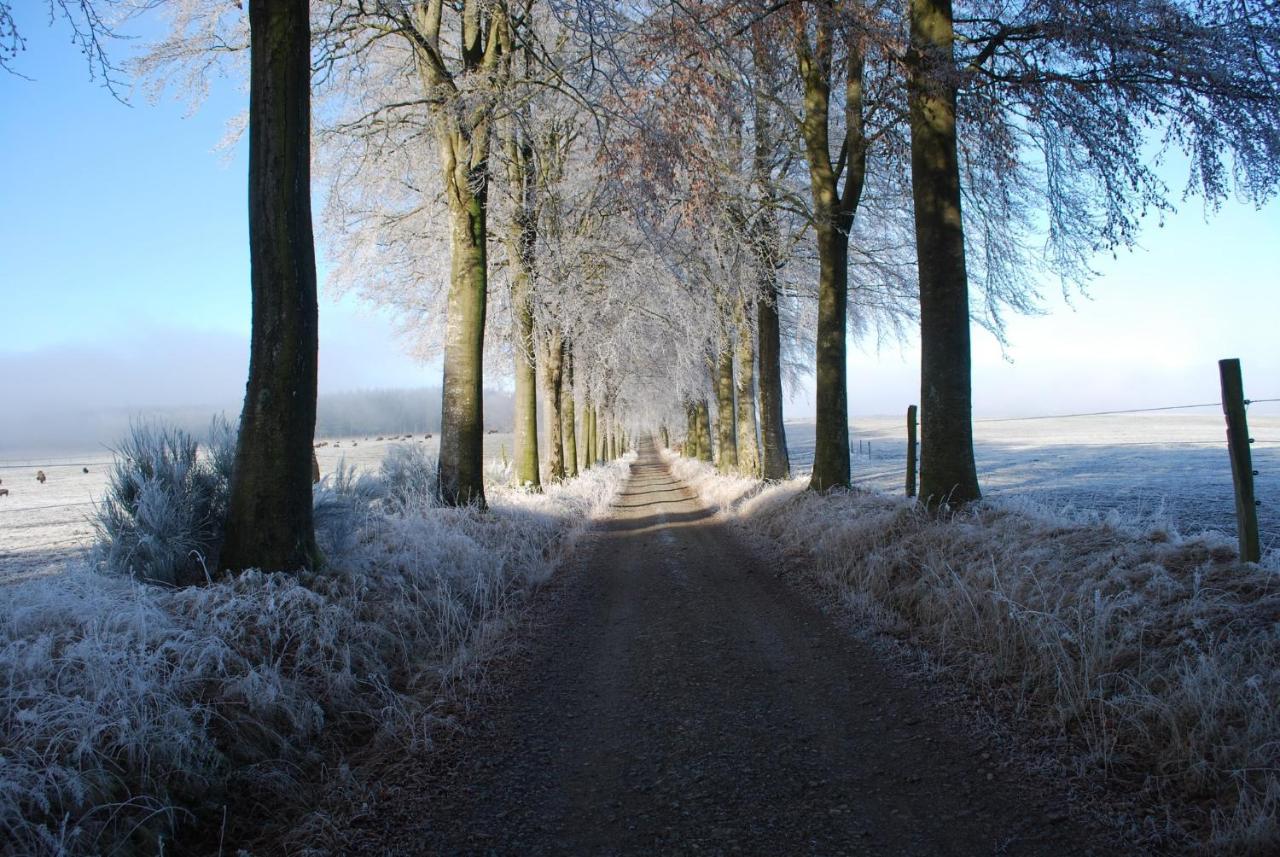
x,y
1100,413
1124,411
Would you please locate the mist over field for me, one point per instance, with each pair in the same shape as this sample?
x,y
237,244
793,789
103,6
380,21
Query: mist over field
x,y
64,425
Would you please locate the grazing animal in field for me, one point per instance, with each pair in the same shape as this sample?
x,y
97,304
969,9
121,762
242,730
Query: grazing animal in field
x,y
4,492
428,436
40,477
85,469
493,431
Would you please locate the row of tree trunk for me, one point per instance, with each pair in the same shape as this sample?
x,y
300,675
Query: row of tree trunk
x,y
269,522
746,382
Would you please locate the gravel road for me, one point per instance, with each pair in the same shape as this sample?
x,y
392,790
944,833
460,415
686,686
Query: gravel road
x,y
680,698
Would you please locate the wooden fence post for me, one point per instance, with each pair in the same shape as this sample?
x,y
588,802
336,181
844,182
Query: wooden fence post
x,y
911,451
1242,473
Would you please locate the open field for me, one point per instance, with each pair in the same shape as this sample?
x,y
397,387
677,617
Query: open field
x,y
1171,469
43,526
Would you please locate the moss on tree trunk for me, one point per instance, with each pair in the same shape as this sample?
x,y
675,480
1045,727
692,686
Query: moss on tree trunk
x,y
704,430
831,434
726,434
462,413
947,470
552,379
521,239
748,441
567,414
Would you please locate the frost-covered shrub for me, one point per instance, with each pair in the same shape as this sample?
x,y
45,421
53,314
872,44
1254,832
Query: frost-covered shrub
x,y
164,509
1156,655
342,507
127,709
408,475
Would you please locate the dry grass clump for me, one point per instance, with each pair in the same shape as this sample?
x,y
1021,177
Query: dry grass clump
x,y
1156,655
128,709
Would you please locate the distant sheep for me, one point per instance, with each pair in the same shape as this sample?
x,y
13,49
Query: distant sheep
x,y
428,436
85,469
40,477
4,492
493,431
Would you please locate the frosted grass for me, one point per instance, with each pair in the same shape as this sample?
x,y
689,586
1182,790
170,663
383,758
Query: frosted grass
x,y
128,710
1155,654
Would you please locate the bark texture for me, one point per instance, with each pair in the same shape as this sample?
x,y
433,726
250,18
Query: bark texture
x,y
552,379
703,430
462,113
745,384
269,518
462,415
521,240
726,434
833,213
568,417
775,462
947,470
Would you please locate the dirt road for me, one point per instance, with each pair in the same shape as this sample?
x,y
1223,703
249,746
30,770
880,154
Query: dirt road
x,y
680,698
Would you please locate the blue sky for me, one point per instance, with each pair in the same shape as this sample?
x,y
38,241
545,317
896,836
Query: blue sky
x,y
123,232
125,280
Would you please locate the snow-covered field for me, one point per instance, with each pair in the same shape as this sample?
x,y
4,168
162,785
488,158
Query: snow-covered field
x,y
42,527
1164,468
1158,467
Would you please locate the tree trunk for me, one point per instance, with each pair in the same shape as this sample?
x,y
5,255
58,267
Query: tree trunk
x,y
553,363
726,433
269,519
664,436
776,460
831,440
592,440
462,416
947,469
748,441
704,431
833,214
521,240
567,414
690,430
597,438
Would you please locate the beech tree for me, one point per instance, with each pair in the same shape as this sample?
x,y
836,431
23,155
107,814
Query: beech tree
x,y
1060,105
269,522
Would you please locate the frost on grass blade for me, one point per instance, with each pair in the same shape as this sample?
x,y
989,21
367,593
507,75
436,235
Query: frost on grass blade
x,y
128,709
1155,651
